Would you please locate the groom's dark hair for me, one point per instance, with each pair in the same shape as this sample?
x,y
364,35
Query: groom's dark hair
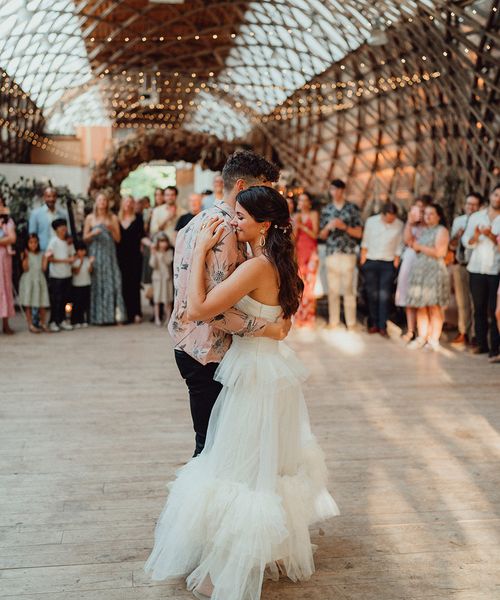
x,y
245,164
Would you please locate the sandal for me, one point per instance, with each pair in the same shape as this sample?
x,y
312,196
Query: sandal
x,y
34,329
409,336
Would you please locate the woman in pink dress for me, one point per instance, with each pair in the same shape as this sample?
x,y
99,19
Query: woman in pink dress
x,y
7,239
306,226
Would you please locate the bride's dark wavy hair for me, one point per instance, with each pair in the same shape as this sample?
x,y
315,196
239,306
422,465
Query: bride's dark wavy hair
x,y
266,204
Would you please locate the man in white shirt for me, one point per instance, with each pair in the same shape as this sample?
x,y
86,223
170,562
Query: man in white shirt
x,y
381,249
484,267
60,255
217,194
459,271
165,216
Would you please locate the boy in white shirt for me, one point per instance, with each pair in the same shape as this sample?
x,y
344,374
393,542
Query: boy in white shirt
x,y
82,269
60,255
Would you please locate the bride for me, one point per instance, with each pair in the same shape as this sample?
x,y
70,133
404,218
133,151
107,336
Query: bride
x,y
241,510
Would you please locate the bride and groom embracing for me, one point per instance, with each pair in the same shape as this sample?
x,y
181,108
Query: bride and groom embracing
x,y
241,508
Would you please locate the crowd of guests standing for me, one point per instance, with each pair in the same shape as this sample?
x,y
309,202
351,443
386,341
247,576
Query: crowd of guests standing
x,y
95,277
410,265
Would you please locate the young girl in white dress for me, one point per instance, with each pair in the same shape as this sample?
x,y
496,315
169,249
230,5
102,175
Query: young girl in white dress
x,y
162,256
33,289
241,510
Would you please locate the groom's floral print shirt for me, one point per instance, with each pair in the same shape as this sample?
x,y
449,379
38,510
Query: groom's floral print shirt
x,y
208,342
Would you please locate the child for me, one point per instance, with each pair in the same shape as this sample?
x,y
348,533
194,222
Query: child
x,y
33,291
161,259
82,268
60,255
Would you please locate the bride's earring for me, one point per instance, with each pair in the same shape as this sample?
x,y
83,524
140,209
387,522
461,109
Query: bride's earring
x,y
262,241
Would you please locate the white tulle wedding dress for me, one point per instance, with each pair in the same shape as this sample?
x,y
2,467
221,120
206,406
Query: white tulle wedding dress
x,y
241,510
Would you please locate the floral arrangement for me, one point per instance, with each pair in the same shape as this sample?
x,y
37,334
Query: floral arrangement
x,y
148,145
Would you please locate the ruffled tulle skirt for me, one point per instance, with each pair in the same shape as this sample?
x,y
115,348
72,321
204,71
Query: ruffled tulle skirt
x,y
242,509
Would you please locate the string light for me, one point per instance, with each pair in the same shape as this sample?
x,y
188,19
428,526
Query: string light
x,y
37,140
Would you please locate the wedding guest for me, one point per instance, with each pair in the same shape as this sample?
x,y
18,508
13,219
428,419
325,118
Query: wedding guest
x,y
146,242
429,282
4,217
41,218
195,207
159,197
7,241
216,195
145,211
162,256
166,216
480,237
291,205
306,228
381,249
413,229
204,194
102,232
33,290
82,279
60,255
130,258
459,271
341,227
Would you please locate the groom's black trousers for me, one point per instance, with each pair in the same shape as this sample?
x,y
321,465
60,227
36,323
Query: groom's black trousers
x,y
203,392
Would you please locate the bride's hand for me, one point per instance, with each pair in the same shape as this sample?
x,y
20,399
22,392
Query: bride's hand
x,y
209,234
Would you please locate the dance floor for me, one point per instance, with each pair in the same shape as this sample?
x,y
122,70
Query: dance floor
x,y
94,422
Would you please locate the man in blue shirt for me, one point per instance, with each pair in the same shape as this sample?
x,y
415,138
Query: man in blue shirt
x,y
41,218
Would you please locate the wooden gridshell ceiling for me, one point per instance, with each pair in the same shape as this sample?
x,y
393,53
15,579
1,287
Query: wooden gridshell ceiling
x,y
397,97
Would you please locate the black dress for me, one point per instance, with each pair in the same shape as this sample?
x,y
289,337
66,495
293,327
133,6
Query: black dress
x,y
130,261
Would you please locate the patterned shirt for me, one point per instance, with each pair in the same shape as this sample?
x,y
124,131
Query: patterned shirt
x,y
208,342
340,241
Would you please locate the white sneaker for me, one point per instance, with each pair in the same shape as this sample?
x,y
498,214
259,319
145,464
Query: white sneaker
x,y
77,325
85,325
416,344
53,327
433,346
66,326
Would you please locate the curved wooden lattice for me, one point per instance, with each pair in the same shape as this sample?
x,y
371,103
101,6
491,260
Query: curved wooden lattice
x,y
419,114
395,96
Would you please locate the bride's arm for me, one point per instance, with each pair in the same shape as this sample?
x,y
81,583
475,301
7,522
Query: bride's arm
x,y
202,306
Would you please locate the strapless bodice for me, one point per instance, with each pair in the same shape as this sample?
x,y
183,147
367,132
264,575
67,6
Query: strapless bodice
x,y
257,309
263,311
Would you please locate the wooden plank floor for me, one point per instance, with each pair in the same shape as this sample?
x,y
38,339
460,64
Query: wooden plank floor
x,y
94,422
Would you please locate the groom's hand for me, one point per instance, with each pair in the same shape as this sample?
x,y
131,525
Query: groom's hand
x,y
277,331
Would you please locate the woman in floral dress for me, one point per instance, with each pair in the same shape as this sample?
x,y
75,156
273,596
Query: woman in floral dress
x,y
429,282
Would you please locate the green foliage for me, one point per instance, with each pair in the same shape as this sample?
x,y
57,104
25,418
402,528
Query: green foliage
x,y
144,180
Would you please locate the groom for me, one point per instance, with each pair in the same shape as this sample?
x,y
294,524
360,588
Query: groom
x,y
200,346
